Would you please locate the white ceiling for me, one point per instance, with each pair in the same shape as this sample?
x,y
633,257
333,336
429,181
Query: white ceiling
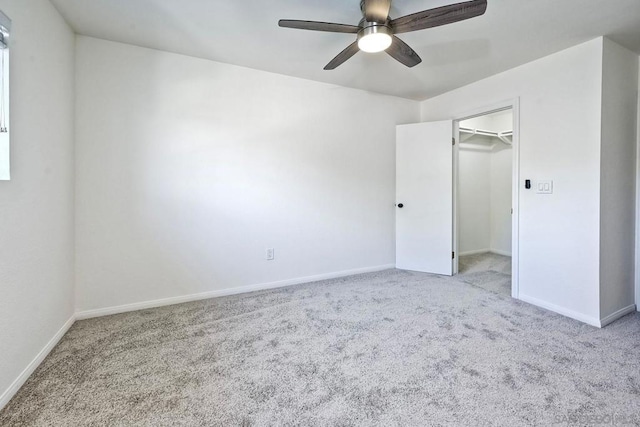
x,y
246,33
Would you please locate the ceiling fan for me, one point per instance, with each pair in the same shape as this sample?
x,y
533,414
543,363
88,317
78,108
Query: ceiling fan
x,y
376,31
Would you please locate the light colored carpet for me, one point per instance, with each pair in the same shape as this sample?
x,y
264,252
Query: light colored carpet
x,y
487,270
393,348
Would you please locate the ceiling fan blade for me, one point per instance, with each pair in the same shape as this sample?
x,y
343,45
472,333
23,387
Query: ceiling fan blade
x,y
439,16
319,26
401,52
377,10
343,56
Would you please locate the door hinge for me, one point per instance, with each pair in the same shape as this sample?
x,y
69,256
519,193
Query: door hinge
x,y
453,255
453,140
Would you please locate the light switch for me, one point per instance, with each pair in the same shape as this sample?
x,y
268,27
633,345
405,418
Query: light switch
x,y
545,187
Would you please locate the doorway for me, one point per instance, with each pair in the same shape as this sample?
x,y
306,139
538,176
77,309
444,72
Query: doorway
x,y
483,159
427,194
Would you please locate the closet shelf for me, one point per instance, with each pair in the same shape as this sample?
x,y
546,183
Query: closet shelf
x,y
506,136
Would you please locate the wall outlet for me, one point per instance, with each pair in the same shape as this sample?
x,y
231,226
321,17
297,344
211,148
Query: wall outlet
x,y
270,254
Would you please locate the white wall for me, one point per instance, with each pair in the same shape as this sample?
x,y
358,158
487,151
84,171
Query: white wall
x,y
37,205
480,122
484,200
560,108
187,170
474,201
496,122
502,121
501,181
617,191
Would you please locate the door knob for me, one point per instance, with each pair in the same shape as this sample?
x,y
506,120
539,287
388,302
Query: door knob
x,y
400,205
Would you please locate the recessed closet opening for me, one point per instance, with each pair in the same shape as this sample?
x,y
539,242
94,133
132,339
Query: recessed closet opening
x,y
484,207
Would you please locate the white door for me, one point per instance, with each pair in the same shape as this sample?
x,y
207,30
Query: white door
x,y
424,197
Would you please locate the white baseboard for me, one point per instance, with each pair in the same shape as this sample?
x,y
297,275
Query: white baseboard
x,y
107,311
484,251
618,314
593,321
499,252
31,367
477,251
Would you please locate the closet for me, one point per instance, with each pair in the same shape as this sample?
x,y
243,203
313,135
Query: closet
x,y
485,159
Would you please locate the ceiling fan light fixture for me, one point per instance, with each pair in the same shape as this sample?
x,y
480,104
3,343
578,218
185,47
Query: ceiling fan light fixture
x,y
377,31
374,38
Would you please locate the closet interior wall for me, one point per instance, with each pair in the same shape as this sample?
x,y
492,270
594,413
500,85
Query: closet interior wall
x,y
484,185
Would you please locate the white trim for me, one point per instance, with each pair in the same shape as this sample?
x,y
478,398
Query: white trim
x,y
515,200
637,266
617,315
456,212
561,310
107,311
31,367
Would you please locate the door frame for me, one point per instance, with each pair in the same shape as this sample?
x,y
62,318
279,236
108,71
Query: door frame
x,y
514,105
637,217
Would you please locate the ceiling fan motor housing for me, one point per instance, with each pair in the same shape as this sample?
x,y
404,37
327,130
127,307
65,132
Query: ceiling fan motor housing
x,y
368,28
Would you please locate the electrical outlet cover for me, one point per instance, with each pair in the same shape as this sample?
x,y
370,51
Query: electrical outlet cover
x,y
270,254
